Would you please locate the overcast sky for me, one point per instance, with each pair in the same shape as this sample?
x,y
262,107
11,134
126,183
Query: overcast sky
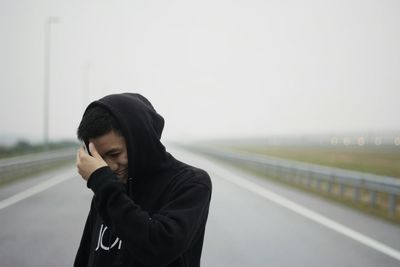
x,y
218,68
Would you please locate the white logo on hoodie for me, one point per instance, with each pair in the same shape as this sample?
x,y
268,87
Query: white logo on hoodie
x,y
100,241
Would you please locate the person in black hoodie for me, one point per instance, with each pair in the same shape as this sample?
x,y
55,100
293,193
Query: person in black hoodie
x,y
148,208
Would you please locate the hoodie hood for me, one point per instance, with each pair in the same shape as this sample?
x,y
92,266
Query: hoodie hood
x,y
142,128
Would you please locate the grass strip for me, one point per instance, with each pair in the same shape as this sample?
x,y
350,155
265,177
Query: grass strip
x,y
380,160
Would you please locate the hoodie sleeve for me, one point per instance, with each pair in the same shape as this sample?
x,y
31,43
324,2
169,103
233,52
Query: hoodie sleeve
x,y
163,236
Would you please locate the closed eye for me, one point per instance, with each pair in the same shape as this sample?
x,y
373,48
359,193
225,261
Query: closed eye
x,y
113,153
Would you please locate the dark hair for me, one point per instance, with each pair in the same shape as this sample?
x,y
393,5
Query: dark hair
x,y
96,122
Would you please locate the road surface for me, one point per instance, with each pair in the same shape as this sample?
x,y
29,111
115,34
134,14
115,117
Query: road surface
x,y
252,222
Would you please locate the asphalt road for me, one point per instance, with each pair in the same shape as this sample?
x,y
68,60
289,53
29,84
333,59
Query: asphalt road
x,y
252,222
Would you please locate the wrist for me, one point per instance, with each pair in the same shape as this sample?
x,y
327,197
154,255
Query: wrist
x,y
96,176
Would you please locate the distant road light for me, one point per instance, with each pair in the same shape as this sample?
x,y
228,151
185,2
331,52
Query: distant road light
x,y
347,141
361,141
378,141
397,141
334,141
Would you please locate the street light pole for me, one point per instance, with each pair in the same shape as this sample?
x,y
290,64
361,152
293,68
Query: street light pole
x,y
47,51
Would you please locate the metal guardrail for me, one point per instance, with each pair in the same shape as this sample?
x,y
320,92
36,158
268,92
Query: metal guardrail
x,y
316,176
17,166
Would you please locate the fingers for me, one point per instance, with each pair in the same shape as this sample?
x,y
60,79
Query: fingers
x,y
78,160
93,150
87,164
79,154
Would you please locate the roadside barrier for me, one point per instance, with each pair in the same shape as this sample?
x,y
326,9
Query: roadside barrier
x,y
24,165
375,190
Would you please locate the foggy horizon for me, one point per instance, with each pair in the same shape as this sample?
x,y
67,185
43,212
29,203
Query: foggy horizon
x,y
214,69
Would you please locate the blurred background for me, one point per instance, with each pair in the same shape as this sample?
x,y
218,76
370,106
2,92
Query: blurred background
x,y
213,69
314,82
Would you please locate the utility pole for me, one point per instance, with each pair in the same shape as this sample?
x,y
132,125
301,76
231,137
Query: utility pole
x,y
47,53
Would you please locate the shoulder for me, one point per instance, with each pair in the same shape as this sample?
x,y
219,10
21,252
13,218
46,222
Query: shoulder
x,y
187,175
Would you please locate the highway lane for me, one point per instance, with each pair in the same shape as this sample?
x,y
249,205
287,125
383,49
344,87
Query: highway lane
x,y
44,229
244,228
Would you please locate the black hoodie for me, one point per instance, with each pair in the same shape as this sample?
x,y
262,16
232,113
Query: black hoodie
x,y
158,218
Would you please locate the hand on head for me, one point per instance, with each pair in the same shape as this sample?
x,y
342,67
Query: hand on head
x,y
88,164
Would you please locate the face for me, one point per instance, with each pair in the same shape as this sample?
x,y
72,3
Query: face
x,y
112,148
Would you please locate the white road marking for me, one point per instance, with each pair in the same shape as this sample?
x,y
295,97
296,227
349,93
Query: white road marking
x,y
36,189
310,214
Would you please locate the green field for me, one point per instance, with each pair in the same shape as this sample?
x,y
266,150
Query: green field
x,y
24,147
382,160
